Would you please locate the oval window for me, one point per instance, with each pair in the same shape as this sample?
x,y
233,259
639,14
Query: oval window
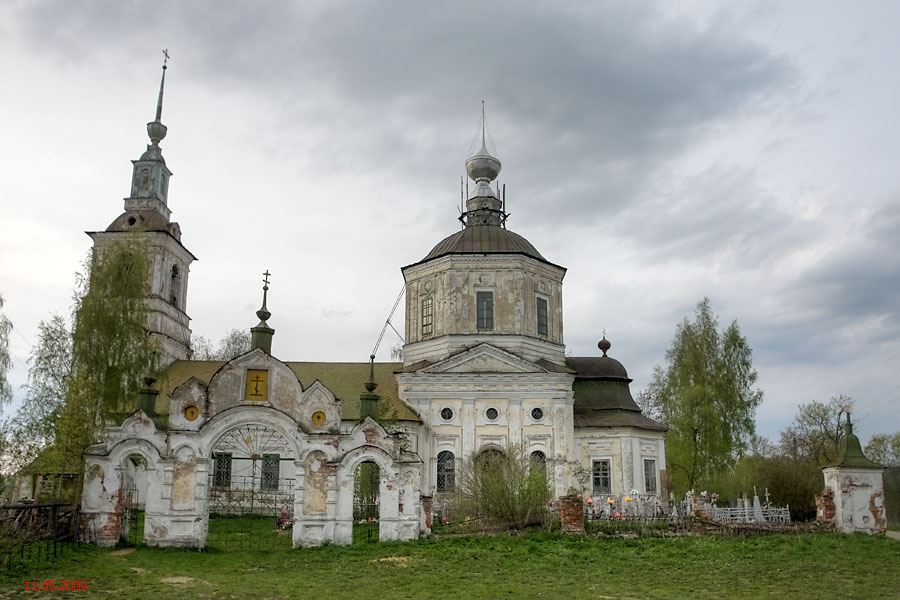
x,y
537,414
491,414
446,414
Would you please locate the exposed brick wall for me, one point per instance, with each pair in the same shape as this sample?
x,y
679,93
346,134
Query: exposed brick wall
x,y
825,511
427,506
571,513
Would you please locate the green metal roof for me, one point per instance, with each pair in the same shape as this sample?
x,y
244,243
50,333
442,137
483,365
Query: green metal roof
x,y
345,380
850,454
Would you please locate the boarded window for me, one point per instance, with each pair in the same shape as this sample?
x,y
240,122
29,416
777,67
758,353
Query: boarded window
x,y
650,476
542,327
602,477
270,471
446,471
222,471
485,304
427,316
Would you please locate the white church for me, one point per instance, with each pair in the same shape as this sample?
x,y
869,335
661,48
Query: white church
x,y
484,370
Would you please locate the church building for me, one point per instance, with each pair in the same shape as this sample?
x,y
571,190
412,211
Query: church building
x,y
484,371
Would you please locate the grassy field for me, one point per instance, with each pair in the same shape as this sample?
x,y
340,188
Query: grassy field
x,y
537,565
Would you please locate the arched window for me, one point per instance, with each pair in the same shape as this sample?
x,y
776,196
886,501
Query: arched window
x,y
538,459
175,287
446,471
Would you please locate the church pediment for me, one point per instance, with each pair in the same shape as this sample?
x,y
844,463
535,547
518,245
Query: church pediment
x,y
484,358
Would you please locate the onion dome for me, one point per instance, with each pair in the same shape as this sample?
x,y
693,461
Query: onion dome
x,y
483,169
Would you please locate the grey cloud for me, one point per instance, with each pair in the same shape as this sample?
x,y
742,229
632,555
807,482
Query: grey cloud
x,y
596,98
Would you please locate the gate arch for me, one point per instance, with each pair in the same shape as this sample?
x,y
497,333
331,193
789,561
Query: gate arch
x,y
254,456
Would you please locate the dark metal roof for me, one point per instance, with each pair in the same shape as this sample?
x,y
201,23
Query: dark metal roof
x,y
484,239
596,367
603,396
591,417
597,393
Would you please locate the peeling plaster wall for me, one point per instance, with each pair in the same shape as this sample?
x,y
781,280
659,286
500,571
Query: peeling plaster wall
x,y
858,499
626,448
178,464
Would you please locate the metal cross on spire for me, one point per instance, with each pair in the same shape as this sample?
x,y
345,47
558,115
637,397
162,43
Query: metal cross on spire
x,y
162,83
263,313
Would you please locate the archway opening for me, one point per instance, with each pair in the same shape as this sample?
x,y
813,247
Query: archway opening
x,y
251,489
134,499
366,502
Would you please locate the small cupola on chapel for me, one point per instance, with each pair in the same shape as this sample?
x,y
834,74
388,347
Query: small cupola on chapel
x,y
261,335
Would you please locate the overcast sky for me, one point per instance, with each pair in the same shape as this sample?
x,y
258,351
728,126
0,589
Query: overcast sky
x,y
662,152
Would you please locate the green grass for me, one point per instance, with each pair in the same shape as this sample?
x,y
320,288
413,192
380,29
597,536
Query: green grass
x,y
531,566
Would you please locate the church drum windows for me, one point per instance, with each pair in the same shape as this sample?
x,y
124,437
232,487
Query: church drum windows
x,y
542,317
446,471
428,316
484,302
602,477
650,476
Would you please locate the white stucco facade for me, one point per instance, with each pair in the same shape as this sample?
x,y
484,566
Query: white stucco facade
x,y
484,369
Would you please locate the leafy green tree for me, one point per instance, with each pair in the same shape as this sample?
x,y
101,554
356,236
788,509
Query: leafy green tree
x,y
884,449
111,351
235,343
34,425
504,488
706,397
816,430
5,362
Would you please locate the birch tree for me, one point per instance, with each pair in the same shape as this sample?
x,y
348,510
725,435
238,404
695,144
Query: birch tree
x,y
706,397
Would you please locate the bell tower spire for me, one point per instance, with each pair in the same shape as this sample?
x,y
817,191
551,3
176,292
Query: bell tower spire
x,y
155,129
147,212
150,176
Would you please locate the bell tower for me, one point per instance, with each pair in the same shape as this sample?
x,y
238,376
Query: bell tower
x,y
147,212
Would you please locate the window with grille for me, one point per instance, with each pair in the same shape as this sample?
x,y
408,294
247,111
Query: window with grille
x,y
427,316
270,471
538,460
650,476
602,477
446,471
222,471
542,327
485,304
